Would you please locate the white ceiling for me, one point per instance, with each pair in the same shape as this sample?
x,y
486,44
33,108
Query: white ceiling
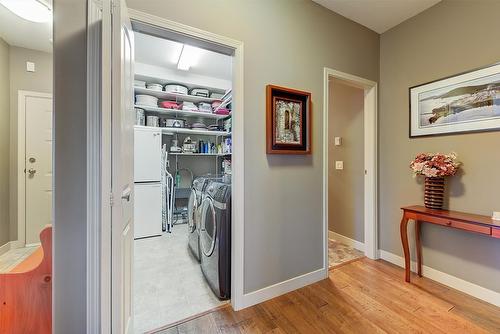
x,y
165,53
378,15
20,32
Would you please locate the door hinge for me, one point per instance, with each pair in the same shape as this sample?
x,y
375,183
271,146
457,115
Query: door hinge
x,y
114,4
111,199
99,4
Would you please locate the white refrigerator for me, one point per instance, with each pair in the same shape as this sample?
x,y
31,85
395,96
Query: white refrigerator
x,y
147,177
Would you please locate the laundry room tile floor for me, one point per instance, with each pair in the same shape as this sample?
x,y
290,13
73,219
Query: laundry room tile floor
x,y
168,283
339,253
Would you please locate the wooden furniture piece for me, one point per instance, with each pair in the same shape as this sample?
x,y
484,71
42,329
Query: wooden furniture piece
x,y
460,220
26,292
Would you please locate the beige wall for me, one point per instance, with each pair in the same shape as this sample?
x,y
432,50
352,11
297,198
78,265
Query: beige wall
x,y
449,38
288,43
346,187
20,79
4,142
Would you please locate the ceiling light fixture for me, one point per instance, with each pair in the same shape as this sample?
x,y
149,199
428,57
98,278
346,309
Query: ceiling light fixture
x,y
188,57
32,10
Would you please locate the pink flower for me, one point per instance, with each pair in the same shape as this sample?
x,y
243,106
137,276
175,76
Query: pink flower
x,y
435,164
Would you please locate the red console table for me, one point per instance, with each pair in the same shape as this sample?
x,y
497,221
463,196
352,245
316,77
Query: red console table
x,y
451,219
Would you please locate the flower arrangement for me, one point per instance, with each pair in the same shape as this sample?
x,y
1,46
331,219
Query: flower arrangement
x,y
435,164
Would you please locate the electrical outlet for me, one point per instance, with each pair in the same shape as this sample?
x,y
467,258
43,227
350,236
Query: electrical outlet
x,y
339,165
30,66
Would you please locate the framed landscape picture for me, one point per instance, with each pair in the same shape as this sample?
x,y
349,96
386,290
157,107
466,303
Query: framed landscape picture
x,y
468,102
288,121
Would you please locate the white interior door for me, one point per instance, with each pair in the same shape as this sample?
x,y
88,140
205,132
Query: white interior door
x,y
122,169
38,164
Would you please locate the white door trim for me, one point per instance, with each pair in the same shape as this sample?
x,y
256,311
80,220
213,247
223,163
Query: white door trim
x,y
21,162
238,192
96,207
370,159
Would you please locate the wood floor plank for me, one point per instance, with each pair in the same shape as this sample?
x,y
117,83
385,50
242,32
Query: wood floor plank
x,y
398,302
470,308
364,296
348,319
407,295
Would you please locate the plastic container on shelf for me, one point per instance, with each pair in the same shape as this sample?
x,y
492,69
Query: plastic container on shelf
x,y
205,107
146,100
140,116
154,86
202,92
176,89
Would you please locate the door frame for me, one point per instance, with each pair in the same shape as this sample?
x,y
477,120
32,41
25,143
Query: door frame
x,y
98,167
99,252
238,192
370,158
21,161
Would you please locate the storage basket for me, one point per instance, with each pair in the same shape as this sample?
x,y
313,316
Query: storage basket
x,y
176,89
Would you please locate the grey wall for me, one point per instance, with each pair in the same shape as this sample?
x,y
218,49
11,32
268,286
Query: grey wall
x,y
4,142
287,42
20,79
449,38
70,135
346,187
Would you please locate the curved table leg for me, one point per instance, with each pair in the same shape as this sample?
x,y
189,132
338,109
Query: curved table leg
x,y
419,247
406,247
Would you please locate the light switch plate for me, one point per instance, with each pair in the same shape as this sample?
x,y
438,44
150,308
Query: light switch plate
x,y
339,165
30,66
338,141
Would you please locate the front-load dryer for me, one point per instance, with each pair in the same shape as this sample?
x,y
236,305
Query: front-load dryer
x,y
197,193
215,237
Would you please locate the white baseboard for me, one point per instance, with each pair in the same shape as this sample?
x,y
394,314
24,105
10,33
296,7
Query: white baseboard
x,y
459,284
10,245
278,289
347,241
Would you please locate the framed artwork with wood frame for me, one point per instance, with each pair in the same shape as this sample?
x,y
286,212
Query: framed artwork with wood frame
x,y
288,124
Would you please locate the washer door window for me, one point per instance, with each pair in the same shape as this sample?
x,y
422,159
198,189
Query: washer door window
x,y
208,232
192,211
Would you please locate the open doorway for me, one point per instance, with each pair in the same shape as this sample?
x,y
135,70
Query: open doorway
x,y
345,172
349,170
188,128
26,173
182,178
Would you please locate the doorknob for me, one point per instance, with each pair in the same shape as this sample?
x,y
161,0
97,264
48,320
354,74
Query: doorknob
x,y
31,171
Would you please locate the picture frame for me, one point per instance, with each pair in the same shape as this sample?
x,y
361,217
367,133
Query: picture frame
x,y
288,121
463,103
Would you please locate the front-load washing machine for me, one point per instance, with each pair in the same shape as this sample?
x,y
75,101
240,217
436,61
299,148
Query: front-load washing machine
x,y
215,237
197,193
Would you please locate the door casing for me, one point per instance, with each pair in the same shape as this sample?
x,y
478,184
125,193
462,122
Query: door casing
x,y
239,300
99,252
370,159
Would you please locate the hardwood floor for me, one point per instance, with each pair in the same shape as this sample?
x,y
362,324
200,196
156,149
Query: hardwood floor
x,y
364,296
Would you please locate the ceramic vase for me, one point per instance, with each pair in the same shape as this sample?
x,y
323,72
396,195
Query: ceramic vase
x,y
434,192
